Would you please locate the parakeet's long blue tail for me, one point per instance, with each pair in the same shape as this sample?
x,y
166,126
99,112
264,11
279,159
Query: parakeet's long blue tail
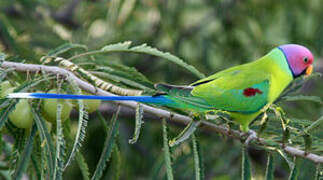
x,y
162,100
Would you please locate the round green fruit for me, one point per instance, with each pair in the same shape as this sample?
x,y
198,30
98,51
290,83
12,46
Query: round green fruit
x,y
3,87
50,105
90,105
21,116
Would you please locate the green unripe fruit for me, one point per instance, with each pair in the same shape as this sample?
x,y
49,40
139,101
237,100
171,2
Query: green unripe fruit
x,y
21,116
50,105
89,104
3,87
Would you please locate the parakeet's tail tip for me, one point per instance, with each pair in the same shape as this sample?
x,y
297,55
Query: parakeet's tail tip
x,y
19,95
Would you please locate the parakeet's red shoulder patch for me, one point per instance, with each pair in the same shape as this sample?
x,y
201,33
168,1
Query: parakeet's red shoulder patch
x,y
251,92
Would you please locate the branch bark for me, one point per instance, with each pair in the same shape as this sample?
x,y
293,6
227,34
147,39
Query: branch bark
x,y
173,117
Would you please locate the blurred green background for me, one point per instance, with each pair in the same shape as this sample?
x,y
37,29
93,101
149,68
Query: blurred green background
x,y
209,34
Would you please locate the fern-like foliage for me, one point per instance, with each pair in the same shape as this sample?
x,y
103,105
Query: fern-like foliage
x,y
48,149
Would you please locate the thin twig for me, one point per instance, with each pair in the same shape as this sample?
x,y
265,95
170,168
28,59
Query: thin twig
x,y
177,118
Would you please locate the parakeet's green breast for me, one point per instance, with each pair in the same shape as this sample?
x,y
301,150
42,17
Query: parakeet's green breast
x,y
281,74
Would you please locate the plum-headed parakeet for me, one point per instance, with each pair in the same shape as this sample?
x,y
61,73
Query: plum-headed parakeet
x,y
242,91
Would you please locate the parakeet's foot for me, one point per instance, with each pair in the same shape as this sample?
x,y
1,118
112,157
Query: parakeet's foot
x,y
251,135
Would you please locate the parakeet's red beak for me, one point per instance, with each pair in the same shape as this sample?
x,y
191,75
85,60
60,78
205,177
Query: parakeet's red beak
x,y
309,70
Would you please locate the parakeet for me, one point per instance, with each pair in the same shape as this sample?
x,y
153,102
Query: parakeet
x,y
243,91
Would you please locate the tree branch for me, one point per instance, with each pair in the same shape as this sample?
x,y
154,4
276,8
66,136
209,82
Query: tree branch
x,y
173,117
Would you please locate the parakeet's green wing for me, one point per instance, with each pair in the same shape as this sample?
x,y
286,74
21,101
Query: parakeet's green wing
x,y
237,90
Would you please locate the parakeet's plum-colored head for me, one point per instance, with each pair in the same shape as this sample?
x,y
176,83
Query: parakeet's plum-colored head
x,y
299,59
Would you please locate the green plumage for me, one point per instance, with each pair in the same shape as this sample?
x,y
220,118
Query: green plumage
x,y
242,91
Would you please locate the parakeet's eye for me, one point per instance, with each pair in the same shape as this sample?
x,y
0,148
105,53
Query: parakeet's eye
x,y
305,59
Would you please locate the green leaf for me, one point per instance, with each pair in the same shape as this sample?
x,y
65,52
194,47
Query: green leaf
x,y
198,159
124,47
107,147
117,47
167,155
83,166
25,156
303,98
153,51
64,48
124,77
294,171
60,145
315,124
82,123
139,122
246,167
103,122
116,159
36,160
45,137
297,84
270,167
185,134
286,158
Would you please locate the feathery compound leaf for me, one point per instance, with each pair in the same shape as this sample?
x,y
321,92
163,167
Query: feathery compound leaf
x,y
125,81
125,71
82,123
315,124
153,51
64,48
25,156
245,165
83,166
297,84
117,47
116,163
294,171
286,158
79,157
127,75
36,158
139,122
198,159
185,134
97,81
270,167
107,147
303,98
45,137
167,155
120,47
60,145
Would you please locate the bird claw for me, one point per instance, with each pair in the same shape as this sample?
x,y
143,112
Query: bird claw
x,y
251,135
